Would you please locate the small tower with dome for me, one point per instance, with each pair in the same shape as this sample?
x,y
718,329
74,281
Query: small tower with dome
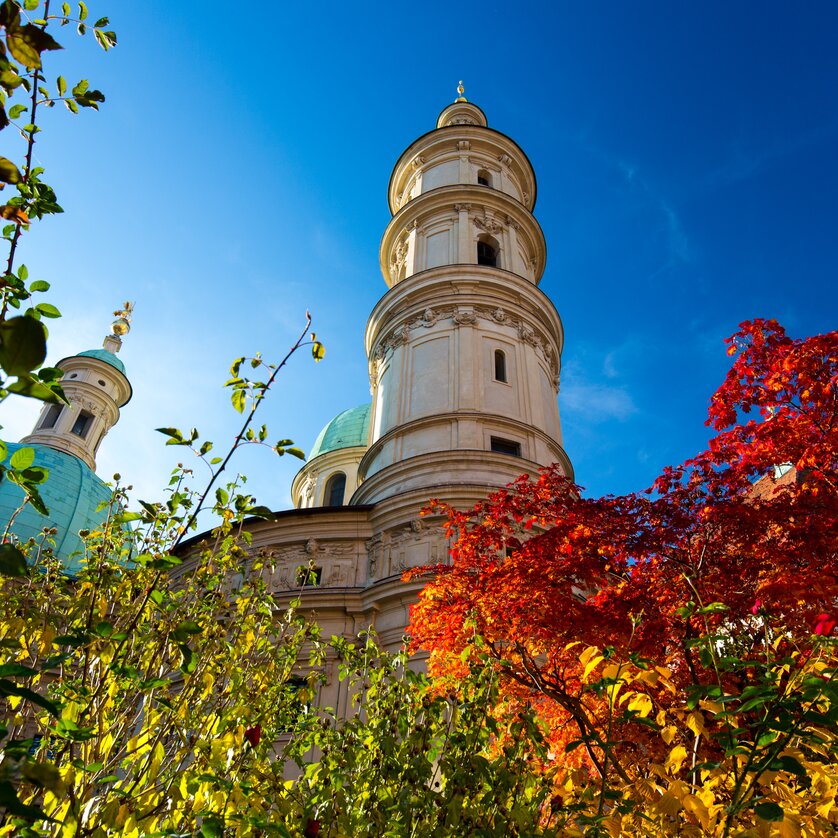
x,y
65,440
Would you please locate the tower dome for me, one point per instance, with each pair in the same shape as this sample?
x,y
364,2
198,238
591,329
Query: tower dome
x,y
73,493
330,476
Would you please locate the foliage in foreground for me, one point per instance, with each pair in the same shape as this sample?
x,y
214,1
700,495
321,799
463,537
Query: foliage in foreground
x,y
677,646
140,699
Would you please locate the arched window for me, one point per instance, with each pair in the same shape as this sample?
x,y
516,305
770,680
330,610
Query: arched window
x,y
335,489
500,365
487,251
484,178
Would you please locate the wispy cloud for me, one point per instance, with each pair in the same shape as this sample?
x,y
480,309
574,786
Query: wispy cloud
x,y
597,402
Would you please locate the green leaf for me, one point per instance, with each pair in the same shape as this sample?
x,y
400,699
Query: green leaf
x,y
31,5
26,385
39,285
106,40
239,399
48,310
188,660
769,811
81,87
61,85
211,827
8,171
71,105
11,688
22,458
26,44
12,561
295,452
4,451
23,345
16,110
8,669
82,11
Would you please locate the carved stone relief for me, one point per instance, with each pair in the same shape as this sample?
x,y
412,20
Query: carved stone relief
x,y
490,225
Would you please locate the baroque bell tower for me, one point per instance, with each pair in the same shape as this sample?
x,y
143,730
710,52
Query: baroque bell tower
x,y
464,350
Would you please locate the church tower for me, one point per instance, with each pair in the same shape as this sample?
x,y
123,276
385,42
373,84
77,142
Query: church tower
x,y
464,350
64,441
96,387
464,356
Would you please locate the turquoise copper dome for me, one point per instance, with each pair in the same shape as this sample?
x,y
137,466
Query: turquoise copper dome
x,y
104,355
72,493
346,430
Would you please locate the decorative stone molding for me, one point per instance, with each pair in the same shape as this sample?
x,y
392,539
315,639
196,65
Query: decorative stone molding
x,y
462,317
461,120
505,159
399,257
462,207
463,145
513,223
417,162
489,225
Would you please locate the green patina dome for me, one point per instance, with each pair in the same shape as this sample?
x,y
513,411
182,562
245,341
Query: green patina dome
x,y
72,493
104,355
346,430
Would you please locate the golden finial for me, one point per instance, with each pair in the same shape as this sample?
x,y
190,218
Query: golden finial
x,y
461,90
122,324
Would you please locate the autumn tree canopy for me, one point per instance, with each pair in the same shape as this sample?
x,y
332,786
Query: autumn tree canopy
x,y
677,643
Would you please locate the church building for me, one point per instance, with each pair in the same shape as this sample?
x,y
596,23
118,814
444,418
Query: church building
x,y
464,356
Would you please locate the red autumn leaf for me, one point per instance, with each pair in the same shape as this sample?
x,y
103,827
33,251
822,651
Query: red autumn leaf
x,y
253,735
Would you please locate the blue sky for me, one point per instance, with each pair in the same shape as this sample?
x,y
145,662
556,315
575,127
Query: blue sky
x,y
237,175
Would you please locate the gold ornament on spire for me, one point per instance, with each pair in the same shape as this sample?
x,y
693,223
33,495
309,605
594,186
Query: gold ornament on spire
x,y
122,325
461,90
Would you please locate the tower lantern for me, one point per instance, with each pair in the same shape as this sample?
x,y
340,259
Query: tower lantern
x,y
96,387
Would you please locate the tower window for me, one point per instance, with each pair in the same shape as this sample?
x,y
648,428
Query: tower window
x,y
487,253
506,446
82,424
500,365
335,489
51,416
484,178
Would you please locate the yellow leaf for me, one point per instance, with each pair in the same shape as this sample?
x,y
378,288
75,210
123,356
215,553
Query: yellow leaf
x,y
698,810
591,665
695,722
587,654
676,759
668,804
668,733
641,704
648,676
789,827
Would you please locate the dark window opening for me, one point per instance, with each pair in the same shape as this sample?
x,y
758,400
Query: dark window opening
x,y
506,446
82,424
51,416
309,577
335,490
500,365
484,178
486,254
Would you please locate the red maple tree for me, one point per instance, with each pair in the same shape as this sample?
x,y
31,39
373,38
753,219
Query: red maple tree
x,y
698,586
